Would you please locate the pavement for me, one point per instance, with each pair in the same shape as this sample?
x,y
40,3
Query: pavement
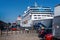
x,y
19,35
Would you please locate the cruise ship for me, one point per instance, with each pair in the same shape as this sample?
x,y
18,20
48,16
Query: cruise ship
x,y
36,14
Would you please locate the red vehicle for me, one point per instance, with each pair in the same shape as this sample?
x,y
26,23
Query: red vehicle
x,y
14,27
48,37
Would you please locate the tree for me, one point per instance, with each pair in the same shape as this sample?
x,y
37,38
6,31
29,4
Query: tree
x,y
1,26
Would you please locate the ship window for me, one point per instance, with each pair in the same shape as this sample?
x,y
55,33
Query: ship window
x,y
39,15
35,17
43,15
48,15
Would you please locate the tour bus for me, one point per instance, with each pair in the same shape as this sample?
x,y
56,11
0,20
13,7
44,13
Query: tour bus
x,y
56,27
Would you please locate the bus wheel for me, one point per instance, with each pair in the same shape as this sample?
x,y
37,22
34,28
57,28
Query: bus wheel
x,y
55,39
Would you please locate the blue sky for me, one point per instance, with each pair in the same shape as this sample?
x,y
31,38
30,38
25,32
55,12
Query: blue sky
x,y
10,9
